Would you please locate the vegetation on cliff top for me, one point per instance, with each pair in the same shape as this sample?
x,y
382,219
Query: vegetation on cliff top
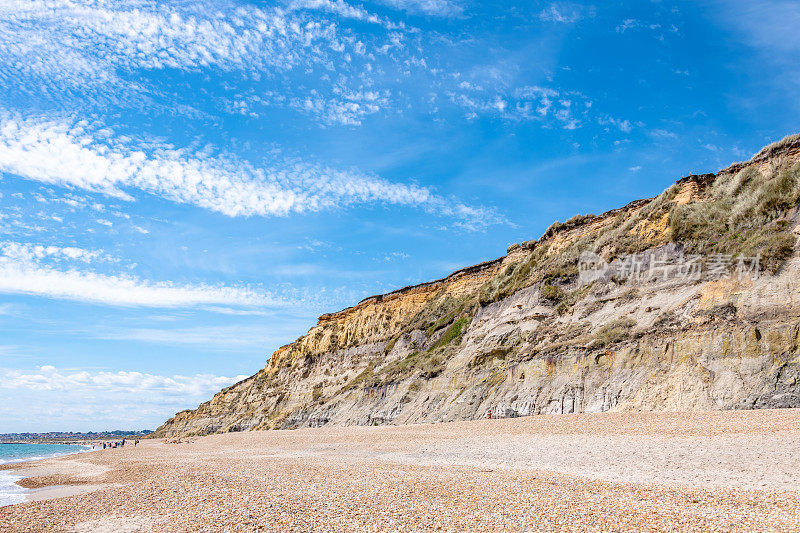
x,y
742,217
739,214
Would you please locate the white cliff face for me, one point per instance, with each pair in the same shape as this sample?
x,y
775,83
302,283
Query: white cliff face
x,y
526,335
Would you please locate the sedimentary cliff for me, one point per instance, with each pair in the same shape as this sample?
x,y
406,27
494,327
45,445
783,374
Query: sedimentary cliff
x,y
686,301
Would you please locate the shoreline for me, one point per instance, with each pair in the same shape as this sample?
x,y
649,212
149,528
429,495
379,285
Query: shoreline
x,y
729,470
19,471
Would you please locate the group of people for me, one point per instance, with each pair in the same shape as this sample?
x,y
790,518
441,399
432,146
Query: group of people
x,y
119,444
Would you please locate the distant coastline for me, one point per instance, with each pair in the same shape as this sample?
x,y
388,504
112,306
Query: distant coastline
x,y
70,437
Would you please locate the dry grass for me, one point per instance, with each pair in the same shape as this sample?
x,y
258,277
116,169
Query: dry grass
x,y
742,217
777,147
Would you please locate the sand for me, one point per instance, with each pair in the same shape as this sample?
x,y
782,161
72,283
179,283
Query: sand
x,y
719,471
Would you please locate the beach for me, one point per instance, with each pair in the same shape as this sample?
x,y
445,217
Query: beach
x,y
713,471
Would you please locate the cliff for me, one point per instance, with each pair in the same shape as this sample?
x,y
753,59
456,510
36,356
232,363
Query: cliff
x,y
686,301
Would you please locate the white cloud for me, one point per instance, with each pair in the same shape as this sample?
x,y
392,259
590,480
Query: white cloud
x,y
624,126
627,24
69,155
343,107
441,8
63,50
662,134
21,274
49,378
82,400
146,35
37,252
565,13
343,9
328,59
635,24
549,106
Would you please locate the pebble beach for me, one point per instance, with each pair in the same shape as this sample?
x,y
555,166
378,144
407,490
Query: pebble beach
x,y
714,471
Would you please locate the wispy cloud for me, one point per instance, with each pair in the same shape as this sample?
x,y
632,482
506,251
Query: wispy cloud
x,y
547,105
330,60
21,273
131,35
98,50
441,8
343,106
657,29
565,12
624,126
71,154
769,27
37,252
345,10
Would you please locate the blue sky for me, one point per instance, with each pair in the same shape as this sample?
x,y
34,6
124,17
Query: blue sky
x,y
186,186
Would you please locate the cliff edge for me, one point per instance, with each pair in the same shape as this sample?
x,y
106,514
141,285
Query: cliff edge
x,y
685,301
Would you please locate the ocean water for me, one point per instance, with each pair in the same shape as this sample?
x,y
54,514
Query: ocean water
x,y
10,492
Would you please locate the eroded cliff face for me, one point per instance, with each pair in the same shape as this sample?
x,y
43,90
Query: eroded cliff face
x,y
639,326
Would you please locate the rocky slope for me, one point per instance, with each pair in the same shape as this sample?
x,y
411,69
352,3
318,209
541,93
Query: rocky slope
x,y
686,301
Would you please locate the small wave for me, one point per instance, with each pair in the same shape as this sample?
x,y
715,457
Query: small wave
x,y
10,492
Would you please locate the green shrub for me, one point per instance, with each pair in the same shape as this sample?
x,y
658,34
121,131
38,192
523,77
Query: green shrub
x,y
775,249
591,308
552,293
440,311
316,392
699,222
537,267
483,358
627,296
366,377
390,345
428,364
579,219
778,195
455,331
614,331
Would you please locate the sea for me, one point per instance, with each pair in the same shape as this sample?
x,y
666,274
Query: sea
x,y
10,492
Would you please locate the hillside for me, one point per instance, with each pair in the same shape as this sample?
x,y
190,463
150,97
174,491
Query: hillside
x,y
686,301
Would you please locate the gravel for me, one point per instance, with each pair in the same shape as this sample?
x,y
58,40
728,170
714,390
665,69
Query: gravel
x,y
717,471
